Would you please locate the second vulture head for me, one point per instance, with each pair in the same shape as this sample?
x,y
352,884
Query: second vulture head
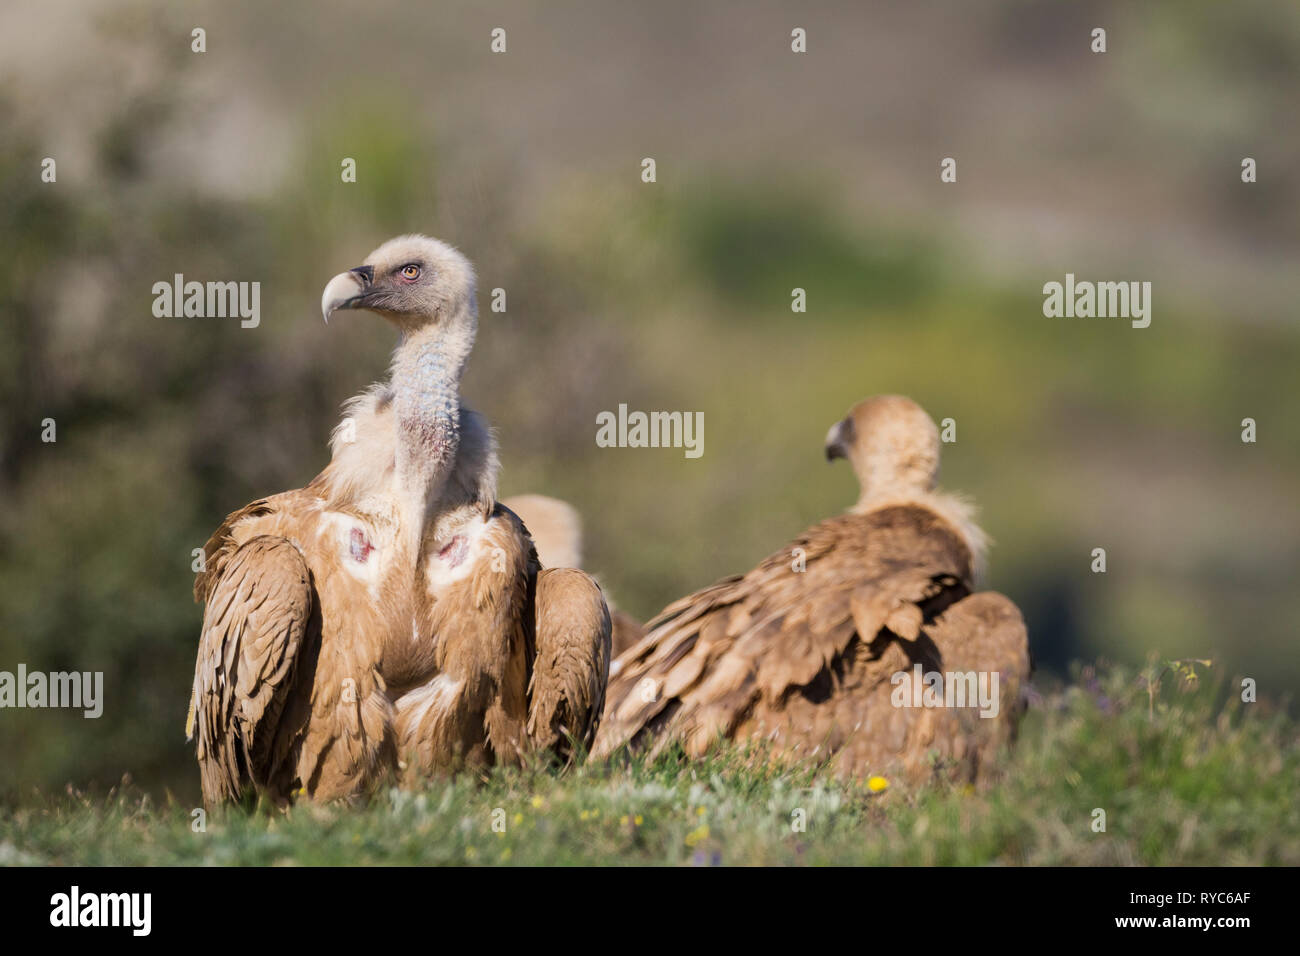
x,y
892,444
412,281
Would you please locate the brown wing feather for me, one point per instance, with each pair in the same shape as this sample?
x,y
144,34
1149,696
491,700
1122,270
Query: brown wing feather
x,y
219,548
729,657
255,627
476,709
983,633
571,668
349,734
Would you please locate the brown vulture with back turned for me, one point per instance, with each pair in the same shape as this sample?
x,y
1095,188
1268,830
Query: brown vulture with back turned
x,y
391,614
812,654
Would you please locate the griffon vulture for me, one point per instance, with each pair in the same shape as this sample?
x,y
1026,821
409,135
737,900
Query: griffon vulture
x,y
391,613
556,528
814,651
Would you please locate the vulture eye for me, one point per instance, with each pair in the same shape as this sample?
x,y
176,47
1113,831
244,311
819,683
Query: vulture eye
x,y
410,271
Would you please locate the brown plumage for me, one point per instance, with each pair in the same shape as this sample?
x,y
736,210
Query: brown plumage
x,y
391,613
626,630
556,529
801,653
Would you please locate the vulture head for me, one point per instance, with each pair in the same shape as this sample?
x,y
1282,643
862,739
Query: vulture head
x,y
413,281
892,444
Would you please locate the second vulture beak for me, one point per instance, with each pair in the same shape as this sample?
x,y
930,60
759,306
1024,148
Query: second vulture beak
x,y
346,290
836,439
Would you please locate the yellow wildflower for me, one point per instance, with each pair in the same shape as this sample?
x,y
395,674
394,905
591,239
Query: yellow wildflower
x,y
698,834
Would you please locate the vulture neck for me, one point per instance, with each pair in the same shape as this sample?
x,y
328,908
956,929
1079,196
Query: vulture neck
x,y
427,368
890,489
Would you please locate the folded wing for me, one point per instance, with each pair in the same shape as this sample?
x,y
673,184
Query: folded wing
x,y
571,666
256,627
772,652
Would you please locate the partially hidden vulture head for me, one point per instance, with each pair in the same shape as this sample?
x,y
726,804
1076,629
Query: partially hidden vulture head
x,y
892,444
413,281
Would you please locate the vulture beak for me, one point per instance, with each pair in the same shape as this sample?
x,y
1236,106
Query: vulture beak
x,y
347,290
837,439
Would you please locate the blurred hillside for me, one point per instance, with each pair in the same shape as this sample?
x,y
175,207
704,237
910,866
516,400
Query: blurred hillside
x,y
774,171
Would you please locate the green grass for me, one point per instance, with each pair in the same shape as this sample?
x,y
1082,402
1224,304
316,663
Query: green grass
x,y
1195,781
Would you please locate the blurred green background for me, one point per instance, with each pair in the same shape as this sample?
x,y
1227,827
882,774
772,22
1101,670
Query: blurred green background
x,y
775,171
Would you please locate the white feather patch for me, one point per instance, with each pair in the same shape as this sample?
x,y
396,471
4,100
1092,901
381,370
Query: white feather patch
x,y
454,556
363,550
438,695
